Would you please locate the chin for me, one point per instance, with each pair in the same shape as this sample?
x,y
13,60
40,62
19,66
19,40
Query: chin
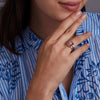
x,y
65,15
62,17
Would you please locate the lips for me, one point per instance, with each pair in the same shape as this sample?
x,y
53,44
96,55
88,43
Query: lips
x,y
72,6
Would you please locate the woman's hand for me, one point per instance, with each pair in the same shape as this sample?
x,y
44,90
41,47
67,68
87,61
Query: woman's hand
x,y
55,58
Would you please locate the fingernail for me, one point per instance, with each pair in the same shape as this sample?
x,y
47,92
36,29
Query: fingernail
x,y
78,13
88,44
88,33
83,16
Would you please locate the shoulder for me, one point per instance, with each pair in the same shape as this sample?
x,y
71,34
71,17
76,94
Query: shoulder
x,y
6,55
23,42
93,19
9,72
3,55
92,23
27,41
8,62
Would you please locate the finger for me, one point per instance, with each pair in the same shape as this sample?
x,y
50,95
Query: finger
x,y
75,54
65,24
78,39
71,31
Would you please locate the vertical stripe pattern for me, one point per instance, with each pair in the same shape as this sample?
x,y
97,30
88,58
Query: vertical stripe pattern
x,y
17,71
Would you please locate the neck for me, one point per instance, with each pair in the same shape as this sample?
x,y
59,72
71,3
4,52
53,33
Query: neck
x,y
41,24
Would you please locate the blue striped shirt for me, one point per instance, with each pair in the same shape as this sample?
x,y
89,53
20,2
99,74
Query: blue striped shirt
x,y
16,71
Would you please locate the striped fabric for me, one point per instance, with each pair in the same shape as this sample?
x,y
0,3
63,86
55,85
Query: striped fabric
x,y
17,71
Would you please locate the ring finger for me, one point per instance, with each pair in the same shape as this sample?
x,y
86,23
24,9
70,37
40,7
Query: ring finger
x,y
72,43
70,31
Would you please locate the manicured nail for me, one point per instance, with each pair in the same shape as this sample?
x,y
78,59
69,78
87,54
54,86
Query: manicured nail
x,y
83,16
78,13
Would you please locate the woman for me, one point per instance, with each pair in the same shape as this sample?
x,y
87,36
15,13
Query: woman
x,y
40,42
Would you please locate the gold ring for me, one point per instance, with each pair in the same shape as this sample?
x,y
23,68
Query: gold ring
x,y
71,45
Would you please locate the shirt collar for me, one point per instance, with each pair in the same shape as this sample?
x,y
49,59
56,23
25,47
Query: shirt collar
x,y
29,39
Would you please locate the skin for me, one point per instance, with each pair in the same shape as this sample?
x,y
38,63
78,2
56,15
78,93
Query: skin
x,y
56,26
49,14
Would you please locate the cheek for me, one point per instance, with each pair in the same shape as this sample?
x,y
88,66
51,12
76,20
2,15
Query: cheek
x,y
40,4
44,5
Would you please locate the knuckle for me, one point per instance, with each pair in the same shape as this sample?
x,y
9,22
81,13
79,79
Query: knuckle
x,y
80,51
69,30
63,54
80,21
64,57
63,25
83,49
81,38
47,44
84,36
54,48
73,18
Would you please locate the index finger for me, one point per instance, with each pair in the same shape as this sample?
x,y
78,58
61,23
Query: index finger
x,y
65,25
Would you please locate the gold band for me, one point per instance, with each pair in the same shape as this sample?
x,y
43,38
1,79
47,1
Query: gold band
x,y
71,45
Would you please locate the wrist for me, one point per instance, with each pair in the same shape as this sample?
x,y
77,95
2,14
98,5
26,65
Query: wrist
x,y
39,90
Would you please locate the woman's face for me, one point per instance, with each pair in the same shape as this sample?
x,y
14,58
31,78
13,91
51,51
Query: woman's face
x,y
58,9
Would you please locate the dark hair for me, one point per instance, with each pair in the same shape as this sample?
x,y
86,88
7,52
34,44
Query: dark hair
x,y
14,18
